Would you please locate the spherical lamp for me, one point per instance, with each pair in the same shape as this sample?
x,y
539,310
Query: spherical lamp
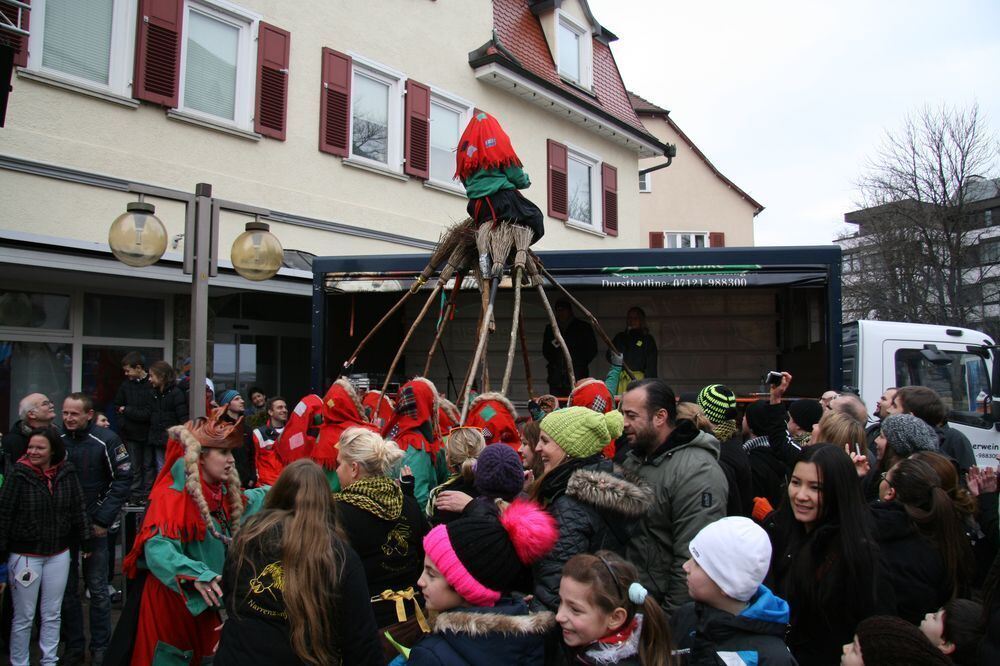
x,y
257,254
137,237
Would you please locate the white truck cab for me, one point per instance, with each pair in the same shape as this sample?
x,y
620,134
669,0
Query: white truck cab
x,y
959,363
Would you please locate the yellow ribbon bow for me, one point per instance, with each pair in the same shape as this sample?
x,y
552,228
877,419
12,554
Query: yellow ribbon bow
x,y
399,597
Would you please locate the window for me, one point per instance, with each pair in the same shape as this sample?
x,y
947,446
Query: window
x,y
217,64
573,44
962,382
645,182
87,44
989,252
27,309
376,115
584,189
686,239
449,116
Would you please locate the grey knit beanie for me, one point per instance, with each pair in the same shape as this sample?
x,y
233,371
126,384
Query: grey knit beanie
x,y
907,434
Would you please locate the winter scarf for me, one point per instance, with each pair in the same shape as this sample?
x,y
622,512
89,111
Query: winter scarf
x,y
725,430
46,475
378,495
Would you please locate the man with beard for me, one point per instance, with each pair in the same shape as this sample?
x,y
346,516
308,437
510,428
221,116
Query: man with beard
x,y
681,465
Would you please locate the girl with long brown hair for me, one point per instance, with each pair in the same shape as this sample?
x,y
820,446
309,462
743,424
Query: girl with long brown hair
x,y
922,539
295,591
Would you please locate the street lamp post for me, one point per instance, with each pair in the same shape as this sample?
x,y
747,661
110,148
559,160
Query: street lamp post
x,y
138,238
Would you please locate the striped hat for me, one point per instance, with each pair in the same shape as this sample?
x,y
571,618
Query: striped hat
x,y
719,403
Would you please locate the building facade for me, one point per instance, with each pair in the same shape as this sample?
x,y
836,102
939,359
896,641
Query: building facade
x,y
337,121
690,203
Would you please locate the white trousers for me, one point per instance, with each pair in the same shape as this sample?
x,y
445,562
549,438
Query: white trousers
x,y
51,573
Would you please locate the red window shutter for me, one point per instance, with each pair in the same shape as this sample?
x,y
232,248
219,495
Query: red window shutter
x,y
18,42
609,191
417,145
272,81
158,51
558,181
335,104
716,239
655,239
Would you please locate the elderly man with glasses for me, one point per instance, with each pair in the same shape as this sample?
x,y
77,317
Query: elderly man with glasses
x,y
34,411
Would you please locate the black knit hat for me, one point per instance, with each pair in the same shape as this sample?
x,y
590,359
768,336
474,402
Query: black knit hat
x,y
891,641
806,413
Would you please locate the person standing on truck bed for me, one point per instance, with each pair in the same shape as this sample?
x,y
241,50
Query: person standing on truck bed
x,y
637,346
579,337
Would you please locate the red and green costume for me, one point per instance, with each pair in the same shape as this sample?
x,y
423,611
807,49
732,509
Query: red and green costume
x,y
415,428
177,547
342,409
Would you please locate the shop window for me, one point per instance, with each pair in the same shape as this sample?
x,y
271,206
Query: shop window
x,y
23,309
116,316
33,367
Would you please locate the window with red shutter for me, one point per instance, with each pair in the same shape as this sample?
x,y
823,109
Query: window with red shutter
x,y
655,239
558,181
335,104
18,42
158,51
271,115
716,239
609,198
417,142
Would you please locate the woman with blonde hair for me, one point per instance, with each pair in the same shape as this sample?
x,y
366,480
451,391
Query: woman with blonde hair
x,y
461,448
841,429
295,591
385,526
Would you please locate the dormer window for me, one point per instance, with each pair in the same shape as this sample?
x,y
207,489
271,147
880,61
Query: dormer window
x,y
575,50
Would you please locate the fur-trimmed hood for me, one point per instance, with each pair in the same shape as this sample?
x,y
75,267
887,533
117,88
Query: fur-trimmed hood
x,y
494,395
496,417
477,624
500,635
609,492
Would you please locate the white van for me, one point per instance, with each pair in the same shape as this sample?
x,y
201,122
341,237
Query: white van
x,y
959,363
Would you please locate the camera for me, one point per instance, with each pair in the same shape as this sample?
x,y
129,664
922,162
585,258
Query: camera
x,y
773,378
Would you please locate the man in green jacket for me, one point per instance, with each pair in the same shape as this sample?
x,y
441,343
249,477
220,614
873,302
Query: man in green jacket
x,y
681,465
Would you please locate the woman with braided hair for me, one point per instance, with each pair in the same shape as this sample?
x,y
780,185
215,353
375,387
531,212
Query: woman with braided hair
x,y
195,509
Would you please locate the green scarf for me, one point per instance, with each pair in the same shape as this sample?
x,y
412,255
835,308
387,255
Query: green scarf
x,y
378,495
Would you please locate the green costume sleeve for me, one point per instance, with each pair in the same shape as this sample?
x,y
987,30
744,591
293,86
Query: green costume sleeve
x,y
255,501
611,381
424,473
168,561
518,176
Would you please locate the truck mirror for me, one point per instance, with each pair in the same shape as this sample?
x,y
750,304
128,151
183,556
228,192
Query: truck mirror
x,y
935,356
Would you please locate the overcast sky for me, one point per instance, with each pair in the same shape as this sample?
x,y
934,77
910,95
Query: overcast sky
x,y
788,99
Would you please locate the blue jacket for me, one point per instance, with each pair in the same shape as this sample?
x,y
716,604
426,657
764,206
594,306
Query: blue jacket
x,y
756,636
503,635
104,468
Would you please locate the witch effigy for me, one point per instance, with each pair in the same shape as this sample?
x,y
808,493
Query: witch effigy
x,y
496,238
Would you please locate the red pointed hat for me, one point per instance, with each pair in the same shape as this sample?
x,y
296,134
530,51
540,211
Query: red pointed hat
x,y
370,402
414,421
342,409
299,436
496,417
594,395
484,145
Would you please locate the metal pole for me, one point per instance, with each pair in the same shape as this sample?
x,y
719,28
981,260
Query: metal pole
x,y
200,235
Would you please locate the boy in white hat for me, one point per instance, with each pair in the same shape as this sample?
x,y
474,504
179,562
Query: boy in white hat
x,y
733,618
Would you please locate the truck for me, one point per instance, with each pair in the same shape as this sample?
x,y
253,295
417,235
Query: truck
x,y
718,315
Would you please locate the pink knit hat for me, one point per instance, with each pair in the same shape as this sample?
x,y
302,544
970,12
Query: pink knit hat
x,y
482,557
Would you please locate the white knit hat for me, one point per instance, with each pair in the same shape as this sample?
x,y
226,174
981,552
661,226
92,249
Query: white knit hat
x,y
735,552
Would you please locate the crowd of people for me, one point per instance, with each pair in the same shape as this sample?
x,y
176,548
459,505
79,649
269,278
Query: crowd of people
x,y
621,525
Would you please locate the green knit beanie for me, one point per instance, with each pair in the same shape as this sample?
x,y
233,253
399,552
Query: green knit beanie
x,y
581,432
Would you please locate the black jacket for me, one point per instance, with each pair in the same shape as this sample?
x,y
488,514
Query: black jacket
x,y
956,445
759,630
15,445
595,507
502,635
579,337
257,629
639,351
914,567
105,470
391,551
244,455
36,521
136,396
735,464
167,408
818,634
